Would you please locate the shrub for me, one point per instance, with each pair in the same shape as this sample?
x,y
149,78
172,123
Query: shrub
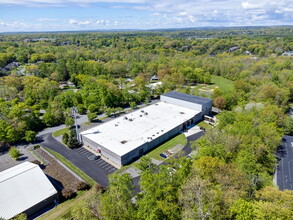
x,y
67,193
36,162
14,153
99,188
36,147
82,185
65,138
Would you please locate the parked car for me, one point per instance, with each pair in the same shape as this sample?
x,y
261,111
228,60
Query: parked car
x,y
163,155
93,157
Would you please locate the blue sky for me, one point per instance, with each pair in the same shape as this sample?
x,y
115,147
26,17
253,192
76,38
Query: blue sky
x,y
63,15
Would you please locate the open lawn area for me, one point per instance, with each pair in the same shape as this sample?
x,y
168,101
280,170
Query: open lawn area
x,y
224,84
60,132
64,208
204,125
179,139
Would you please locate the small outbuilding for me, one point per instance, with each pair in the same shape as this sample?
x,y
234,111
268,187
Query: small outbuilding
x,y
25,189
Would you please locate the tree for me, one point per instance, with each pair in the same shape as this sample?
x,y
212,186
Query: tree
x,y
116,201
81,109
65,138
242,210
91,116
199,199
30,136
81,211
69,121
145,163
14,153
288,125
72,140
219,102
93,108
132,105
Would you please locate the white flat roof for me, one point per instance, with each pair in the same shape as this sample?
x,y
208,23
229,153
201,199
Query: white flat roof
x,y
121,135
22,187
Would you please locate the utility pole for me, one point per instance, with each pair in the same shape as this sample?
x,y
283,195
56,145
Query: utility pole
x,y
74,111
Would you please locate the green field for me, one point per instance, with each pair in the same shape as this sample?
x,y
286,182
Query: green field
x,y
60,132
224,84
204,125
179,139
81,174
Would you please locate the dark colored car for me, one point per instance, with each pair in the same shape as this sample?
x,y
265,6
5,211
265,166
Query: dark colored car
x,y
93,157
163,155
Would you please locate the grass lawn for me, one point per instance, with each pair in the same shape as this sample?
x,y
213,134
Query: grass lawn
x,y
224,84
85,177
179,139
65,207
60,132
204,125
37,156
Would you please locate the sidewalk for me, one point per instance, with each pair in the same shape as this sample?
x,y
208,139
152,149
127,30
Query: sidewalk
x,y
103,158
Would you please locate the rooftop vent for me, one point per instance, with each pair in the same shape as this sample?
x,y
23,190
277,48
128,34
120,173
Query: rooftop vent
x,y
116,125
140,115
182,113
146,113
130,119
125,118
123,142
142,110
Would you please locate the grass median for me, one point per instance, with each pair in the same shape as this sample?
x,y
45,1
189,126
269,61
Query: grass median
x,y
179,139
60,132
73,168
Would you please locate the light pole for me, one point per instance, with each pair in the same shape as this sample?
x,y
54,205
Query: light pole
x,y
74,111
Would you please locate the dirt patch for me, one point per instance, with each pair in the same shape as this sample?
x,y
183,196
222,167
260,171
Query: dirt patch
x,y
58,172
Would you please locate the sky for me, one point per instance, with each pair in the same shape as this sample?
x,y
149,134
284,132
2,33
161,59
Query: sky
x,y
66,15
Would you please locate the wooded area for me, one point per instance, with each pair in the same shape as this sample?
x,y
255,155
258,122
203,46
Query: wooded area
x,y
231,175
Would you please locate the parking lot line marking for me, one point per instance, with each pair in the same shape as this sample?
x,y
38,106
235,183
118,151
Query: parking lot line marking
x,y
103,166
84,153
108,168
99,162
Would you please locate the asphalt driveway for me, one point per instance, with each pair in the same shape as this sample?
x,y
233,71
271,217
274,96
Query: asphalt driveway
x,y
98,170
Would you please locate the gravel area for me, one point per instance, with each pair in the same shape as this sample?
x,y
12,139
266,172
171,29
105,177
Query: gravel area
x,y
58,172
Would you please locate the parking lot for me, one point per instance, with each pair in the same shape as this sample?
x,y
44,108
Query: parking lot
x,y
99,162
7,162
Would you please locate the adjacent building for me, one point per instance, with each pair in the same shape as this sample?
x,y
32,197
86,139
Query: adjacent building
x,y
25,189
130,136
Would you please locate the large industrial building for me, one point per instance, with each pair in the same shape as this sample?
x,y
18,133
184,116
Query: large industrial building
x,y
132,135
24,188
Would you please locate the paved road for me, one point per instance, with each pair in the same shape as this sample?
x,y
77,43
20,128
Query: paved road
x,y
191,139
98,170
285,166
82,119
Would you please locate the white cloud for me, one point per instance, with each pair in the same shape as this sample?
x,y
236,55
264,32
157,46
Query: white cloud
x,y
46,19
